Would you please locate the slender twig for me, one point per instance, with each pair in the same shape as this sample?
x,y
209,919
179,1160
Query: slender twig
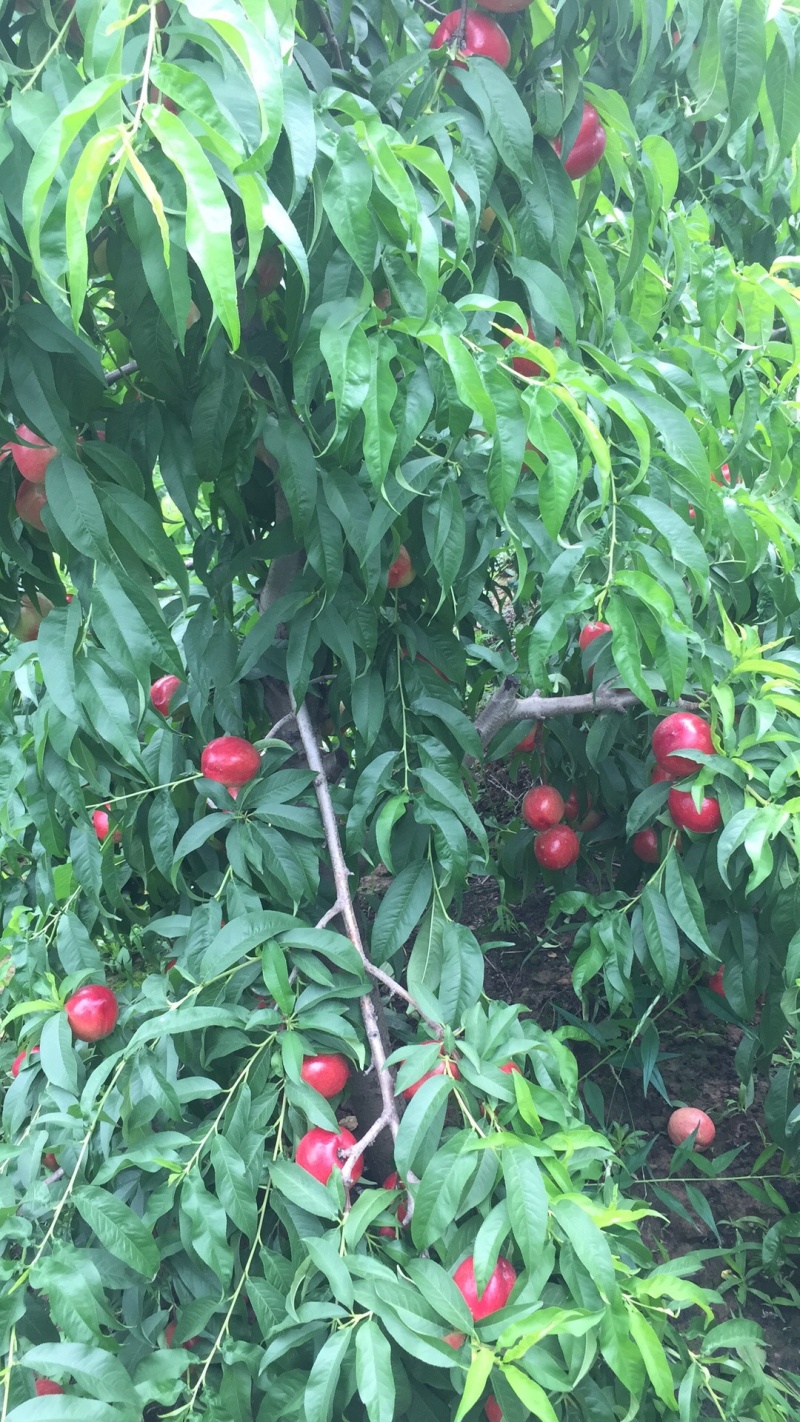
x,y
330,36
129,368
395,989
148,59
273,731
389,1115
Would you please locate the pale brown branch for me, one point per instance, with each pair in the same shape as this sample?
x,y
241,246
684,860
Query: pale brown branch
x,y
505,706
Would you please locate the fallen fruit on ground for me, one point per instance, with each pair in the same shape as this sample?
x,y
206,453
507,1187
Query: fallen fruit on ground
x,y
318,1153
681,731
327,1073
401,572
645,846
686,815
557,848
16,1065
542,807
230,760
481,36
92,1012
446,1067
589,145
32,462
30,500
162,692
497,1292
687,1119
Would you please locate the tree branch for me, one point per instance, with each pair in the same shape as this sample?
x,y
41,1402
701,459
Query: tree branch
x,y
505,706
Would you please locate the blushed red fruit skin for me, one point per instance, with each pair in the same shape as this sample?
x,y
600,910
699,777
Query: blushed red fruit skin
x,y
687,816
681,731
269,271
590,631
327,1073
715,982
101,826
659,774
317,1153
481,36
401,572
45,1388
392,1182
30,500
50,1161
557,848
687,1119
542,807
169,1334
645,846
528,743
523,365
230,760
493,1410
572,805
16,1065
497,1292
446,1067
589,145
92,1012
32,463
162,692
508,1067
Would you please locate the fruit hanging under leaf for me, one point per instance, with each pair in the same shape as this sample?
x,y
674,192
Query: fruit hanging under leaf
x,y
230,760
589,145
33,456
318,1152
686,815
542,807
401,572
162,692
92,1012
446,1067
16,1065
327,1073
482,36
681,731
645,846
30,500
497,1292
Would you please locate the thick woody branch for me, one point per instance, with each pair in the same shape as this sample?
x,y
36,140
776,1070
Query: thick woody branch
x,y
505,706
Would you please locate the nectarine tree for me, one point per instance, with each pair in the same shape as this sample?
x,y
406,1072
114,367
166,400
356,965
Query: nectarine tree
x,y
365,378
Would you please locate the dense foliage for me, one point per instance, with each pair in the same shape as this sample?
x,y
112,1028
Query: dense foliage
x,y
265,279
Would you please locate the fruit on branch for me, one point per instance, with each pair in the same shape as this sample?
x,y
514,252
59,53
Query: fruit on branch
x,y
659,774
26,627
16,1065
542,807
401,572
681,731
590,631
101,825
589,145
230,760
497,1292
557,847
645,845
687,816
327,1073
318,1153
92,1012
30,500
49,1160
493,1410
31,462
715,983
43,1387
269,271
528,743
590,821
156,97
523,365
162,692
725,472
169,1334
446,1067
392,1182
481,36
572,805
509,1067
383,299
687,1119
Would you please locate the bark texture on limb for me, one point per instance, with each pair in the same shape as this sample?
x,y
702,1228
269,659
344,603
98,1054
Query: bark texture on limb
x,y
505,706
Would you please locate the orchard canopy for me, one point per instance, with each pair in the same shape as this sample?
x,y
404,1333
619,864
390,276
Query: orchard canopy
x,y
393,406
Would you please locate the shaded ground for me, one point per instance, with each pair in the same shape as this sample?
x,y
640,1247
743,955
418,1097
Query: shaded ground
x,y
697,1065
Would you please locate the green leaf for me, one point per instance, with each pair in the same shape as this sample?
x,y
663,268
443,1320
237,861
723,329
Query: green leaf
x,y
401,910
324,1376
661,935
303,1189
654,1357
346,199
527,1202
95,1371
73,504
531,1394
422,1122
685,904
119,1230
374,1377
233,1186
208,217
742,45
58,1058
